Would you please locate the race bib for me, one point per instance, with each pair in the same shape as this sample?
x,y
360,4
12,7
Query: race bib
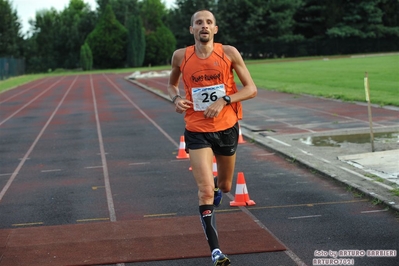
x,y
205,96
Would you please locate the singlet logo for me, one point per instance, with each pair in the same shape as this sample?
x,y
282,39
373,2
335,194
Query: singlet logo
x,y
207,76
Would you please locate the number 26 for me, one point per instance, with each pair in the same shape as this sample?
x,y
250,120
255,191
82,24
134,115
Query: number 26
x,y
209,97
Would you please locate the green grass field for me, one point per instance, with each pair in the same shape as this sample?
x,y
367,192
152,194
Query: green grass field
x,y
338,78
331,77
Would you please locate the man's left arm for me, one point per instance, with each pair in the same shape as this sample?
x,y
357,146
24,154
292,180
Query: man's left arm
x,y
249,89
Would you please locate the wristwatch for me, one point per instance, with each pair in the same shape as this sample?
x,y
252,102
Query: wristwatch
x,y
227,99
175,98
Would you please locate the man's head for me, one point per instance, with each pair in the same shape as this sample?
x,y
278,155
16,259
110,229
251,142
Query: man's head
x,y
203,26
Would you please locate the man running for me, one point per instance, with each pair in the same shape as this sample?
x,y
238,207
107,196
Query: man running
x,y
212,107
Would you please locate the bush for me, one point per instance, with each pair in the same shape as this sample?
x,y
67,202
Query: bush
x,y
108,42
86,57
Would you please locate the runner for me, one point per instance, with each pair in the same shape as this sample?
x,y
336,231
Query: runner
x,y
212,107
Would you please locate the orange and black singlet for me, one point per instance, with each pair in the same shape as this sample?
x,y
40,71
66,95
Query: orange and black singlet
x,y
206,80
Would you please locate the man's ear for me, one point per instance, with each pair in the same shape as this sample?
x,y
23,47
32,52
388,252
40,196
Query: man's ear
x,y
191,30
216,30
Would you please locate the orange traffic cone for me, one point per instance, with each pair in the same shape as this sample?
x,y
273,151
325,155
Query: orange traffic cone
x,y
241,197
182,149
240,138
214,167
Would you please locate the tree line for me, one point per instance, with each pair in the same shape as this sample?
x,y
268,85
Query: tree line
x,y
133,33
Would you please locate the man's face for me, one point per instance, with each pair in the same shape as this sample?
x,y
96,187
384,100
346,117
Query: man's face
x,y
204,27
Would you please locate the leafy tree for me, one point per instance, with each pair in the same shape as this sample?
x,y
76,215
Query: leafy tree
x,y
160,46
276,20
108,41
57,36
76,22
86,57
124,9
44,33
360,19
258,27
10,28
160,42
152,13
136,42
313,18
235,28
390,18
101,5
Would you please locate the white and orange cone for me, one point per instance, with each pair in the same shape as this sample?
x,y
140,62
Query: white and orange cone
x,y
242,196
214,167
240,137
182,154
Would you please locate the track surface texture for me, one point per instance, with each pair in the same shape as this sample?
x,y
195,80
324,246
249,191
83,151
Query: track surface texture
x,y
99,151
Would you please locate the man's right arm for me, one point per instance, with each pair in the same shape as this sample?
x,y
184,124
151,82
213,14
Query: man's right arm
x,y
174,78
173,84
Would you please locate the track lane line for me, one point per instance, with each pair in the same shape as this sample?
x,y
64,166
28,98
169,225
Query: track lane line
x,y
288,252
294,257
142,112
304,217
27,224
108,191
31,101
319,111
23,160
23,91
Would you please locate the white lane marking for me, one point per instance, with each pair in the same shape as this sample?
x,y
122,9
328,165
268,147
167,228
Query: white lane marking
x,y
367,178
304,217
143,113
281,142
27,224
320,111
23,91
16,171
265,154
40,94
108,192
5,174
374,211
288,251
139,163
51,170
93,167
305,152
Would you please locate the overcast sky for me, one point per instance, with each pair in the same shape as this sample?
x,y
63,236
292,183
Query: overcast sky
x,y
26,9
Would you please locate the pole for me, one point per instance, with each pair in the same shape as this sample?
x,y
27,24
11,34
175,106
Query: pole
x,y
367,89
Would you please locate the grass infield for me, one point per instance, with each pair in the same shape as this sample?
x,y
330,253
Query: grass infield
x,y
331,77
338,78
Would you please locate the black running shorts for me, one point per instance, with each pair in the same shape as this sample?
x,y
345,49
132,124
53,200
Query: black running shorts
x,y
222,142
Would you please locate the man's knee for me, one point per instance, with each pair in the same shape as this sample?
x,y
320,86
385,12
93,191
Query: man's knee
x,y
205,193
225,186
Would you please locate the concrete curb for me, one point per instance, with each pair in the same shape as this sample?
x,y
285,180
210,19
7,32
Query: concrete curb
x,y
334,169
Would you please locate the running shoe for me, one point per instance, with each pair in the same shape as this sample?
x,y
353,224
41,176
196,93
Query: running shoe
x,y
219,259
217,196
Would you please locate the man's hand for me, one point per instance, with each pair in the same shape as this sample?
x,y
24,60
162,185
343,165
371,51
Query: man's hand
x,y
214,109
181,105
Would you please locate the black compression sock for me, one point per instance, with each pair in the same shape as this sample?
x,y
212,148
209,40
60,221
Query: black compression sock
x,y
208,220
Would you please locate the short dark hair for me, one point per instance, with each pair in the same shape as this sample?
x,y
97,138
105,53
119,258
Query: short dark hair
x,y
192,17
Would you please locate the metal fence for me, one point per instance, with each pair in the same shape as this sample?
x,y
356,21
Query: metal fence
x,y
11,67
